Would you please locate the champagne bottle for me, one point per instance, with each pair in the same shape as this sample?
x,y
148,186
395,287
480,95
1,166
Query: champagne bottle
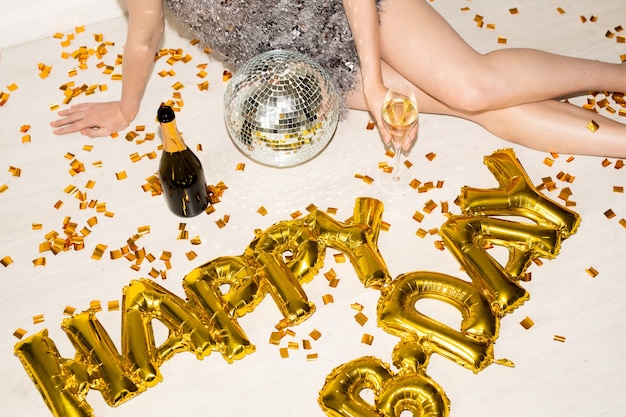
x,y
180,170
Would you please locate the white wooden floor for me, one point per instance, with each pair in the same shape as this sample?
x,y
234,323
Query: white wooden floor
x,y
583,376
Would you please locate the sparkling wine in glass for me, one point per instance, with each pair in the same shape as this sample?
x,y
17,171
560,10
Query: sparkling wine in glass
x,y
399,114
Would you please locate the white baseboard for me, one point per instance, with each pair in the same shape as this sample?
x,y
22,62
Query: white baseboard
x,y
29,20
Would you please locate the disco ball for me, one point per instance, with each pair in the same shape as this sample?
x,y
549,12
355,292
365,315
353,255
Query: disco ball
x,y
281,108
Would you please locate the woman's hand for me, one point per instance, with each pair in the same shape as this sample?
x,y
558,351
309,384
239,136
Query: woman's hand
x,y
92,119
375,97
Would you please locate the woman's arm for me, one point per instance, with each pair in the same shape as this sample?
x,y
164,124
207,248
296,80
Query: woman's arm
x,y
145,29
363,20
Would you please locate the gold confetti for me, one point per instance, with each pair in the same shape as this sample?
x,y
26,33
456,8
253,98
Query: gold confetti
x,y
262,211
339,258
327,299
38,319
39,261
69,310
527,323
98,251
560,10
361,318
367,339
121,175
284,353
315,334
593,126
6,261
370,125
592,272
240,166
3,188
311,356
513,10
275,337
191,255
609,214
19,333
502,40
558,338
418,217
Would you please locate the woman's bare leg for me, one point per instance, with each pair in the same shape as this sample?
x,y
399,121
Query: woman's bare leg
x,y
418,43
547,125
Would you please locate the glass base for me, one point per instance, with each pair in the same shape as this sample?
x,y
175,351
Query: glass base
x,y
399,186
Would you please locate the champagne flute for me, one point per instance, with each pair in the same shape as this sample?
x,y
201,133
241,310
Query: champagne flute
x,y
399,114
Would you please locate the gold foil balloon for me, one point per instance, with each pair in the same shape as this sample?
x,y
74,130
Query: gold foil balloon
x,y
341,394
516,196
62,385
281,108
394,393
470,346
466,237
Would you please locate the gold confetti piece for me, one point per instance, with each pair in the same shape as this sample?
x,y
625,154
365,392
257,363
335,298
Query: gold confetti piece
x,y
39,261
191,255
240,166
311,356
339,258
98,251
558,338
618,189
262,211
328,299
361,318
3,188
418,217
275,337
315,334
38,319
619,164
284,353
357,306
330,275
19,333
592,272
293,345
26,139
502,40
370,125
513,10
296,214
113,305
306,344
609,214
527,323
593,126
6,261
431,155
95,305
367,339
69,310
421,233
560,10
367,179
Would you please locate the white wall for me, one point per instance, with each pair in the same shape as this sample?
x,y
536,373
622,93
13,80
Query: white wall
x,y
25,20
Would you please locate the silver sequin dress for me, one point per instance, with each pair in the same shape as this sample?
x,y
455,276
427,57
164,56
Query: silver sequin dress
x,y
237,30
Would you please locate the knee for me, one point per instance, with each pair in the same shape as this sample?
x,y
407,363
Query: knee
x,y
477,95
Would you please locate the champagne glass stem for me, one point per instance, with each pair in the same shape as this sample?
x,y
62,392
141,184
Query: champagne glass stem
x,y
396,164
